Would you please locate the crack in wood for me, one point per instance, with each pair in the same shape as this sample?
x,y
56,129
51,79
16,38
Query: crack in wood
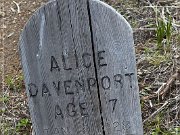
x,y
94,59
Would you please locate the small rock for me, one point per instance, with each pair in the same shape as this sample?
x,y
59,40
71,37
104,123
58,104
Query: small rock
x,y
176,56
2,14
4,26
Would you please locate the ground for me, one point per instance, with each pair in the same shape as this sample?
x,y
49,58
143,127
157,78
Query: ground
x,y
156,26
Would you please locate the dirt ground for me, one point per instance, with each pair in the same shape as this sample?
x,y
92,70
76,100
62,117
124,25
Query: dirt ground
x,y
157,71
13,17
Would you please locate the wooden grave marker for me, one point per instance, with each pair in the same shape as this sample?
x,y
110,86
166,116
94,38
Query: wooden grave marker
x,y
79,65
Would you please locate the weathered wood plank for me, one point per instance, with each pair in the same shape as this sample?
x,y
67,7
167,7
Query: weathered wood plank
x,y
56,50
79,64
113,43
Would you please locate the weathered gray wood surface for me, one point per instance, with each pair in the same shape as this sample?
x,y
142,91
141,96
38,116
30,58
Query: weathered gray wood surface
x,y
80,73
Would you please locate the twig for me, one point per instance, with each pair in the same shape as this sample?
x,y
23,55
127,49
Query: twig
x,y
162,91
150,29
18,7
168,84
168,102
163,6
156,112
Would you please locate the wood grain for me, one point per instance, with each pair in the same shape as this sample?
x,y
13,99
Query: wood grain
x,y
79,66
113,34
